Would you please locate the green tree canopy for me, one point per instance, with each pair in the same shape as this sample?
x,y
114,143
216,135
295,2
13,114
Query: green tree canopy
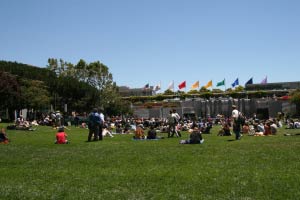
x,y
9,91
35,94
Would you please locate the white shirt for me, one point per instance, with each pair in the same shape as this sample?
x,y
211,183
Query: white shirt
x,y
235,113
102,117
176,115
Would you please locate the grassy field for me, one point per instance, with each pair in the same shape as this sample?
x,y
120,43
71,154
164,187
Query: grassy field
x,y
33,167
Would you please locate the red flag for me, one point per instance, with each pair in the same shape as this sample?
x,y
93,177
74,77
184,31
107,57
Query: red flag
x,y
182,85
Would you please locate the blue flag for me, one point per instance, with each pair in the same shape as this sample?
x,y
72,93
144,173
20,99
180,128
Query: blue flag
x,y
235,83
146,86
250,81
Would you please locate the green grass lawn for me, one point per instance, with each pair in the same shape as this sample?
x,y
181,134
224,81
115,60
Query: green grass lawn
x,y
33,167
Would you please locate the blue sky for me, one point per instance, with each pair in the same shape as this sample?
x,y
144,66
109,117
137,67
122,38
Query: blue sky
x,y
152,41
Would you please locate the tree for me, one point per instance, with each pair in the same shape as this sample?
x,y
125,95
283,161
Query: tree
x,y
95,74
203,89
9,91
78,95
35,94
217,91
193,92
239,88
295,98
168,92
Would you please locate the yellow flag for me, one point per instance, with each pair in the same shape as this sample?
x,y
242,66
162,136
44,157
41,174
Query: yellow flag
x,y
195,85
209,84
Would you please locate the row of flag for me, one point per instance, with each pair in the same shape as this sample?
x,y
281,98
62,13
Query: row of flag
x,y
209,84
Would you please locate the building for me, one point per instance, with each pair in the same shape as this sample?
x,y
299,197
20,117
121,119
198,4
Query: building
x,y
273,86
127,92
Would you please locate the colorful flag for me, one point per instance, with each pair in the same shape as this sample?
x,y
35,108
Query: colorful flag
x,y
157,87
235,83
195,85
264,81
171,86
221,83
250,81
209,84
182,85
146,86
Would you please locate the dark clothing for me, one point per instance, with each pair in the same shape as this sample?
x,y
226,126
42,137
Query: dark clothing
x,y
76,121
94,126
151,134
237,128
172,124
195,137
3,137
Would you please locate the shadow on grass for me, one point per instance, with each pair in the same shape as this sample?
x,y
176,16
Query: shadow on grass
x,y
231,140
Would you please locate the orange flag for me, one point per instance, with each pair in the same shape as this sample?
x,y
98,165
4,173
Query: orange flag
x,y
209,84
195,85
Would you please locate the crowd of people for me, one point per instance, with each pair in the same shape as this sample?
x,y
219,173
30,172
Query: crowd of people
x,y
173,125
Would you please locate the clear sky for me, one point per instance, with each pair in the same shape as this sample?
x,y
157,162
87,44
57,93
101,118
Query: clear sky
x,y
152,41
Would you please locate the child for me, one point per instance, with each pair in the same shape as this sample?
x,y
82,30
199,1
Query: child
x,y
61,136
3,137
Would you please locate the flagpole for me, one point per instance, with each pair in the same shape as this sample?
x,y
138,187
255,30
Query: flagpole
x,y
224,85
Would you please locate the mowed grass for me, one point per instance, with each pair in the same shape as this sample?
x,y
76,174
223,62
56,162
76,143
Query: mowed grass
x,y
33,167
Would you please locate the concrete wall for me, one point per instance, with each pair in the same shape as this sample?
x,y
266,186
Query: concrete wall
x,y
266,107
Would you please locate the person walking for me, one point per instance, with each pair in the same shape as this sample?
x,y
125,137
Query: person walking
x,y
236,122
177,117
171,124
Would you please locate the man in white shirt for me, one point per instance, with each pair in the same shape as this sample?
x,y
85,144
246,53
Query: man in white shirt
x,y
236,122
102,122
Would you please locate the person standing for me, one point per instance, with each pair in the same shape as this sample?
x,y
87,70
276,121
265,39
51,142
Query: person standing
x,y
101,123
176,116
236,122
171,124
93,125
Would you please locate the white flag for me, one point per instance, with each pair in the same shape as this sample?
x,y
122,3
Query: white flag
x,y
171,86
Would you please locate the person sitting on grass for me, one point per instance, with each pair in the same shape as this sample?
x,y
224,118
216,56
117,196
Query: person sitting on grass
x,y
106,130
139,133
225,131
245,128
151,133
195,137
3,137
61,136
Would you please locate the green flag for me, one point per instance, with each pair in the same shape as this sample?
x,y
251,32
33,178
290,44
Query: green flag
x,y
221,83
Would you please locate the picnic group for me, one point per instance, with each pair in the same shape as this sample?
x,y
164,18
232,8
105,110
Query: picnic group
x,y
171,126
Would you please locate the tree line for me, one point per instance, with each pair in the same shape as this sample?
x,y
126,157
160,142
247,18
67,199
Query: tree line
x,y
80,86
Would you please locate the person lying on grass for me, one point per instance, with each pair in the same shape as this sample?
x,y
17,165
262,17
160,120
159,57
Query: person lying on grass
x,y
195,137
3,137
61,136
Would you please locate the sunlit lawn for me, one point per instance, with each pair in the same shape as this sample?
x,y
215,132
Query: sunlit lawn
x,y
33,167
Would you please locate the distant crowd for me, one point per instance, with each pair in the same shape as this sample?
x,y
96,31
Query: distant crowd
x,y
153,128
